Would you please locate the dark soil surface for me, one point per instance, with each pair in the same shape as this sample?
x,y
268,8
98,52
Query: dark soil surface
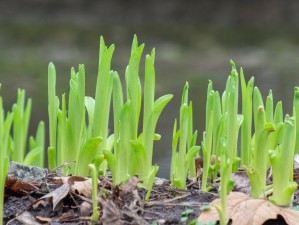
x,y
25,202
166,206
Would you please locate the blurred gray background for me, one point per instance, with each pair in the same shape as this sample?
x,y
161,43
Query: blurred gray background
x,y
194,42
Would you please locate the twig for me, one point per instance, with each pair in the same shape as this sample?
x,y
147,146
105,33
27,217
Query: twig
x,y
167,200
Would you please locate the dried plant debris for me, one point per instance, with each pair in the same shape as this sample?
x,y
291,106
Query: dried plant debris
x,y
78,185
241,182
27,218
242,209
55,197
68,203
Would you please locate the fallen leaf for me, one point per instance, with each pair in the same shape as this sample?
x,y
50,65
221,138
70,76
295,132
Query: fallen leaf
x,y
130,185
242,209
27,219
78,185
55,196
111,214
241,182
85,208
128,193
44,219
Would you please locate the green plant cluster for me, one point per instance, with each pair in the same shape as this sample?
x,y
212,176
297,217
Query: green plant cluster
x,y
79,132
269,145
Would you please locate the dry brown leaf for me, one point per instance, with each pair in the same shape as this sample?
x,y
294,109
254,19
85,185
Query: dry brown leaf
x,y
241,182
242,209
55,196
79,185
111,213
27,218
85,209
44,219
130,185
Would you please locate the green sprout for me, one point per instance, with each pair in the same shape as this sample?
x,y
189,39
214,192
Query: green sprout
x,y
207,136
281,160
217,135
216,110
265,138
72,139
233,119
94,176
228,137
19,138
71,122
52,112
258,169
225,181
247,121
182,160
103,98
5,126
20,126
36,153
130,148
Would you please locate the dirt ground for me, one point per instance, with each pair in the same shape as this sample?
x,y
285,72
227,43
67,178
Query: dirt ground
x,y
35,197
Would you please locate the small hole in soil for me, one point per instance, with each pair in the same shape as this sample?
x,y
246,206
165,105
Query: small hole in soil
x,y
279,221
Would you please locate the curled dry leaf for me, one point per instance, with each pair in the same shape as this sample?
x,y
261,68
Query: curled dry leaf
x,y
27,218
242,209
55,196
78,185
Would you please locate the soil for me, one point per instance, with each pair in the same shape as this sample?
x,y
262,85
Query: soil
x,y
25,202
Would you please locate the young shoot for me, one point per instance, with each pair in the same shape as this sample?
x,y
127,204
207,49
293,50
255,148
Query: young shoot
x,y
265,138
21,120
206,144
225,181
53,105
281,160
247,91
258,169
184,158
102,99
132,154
94,176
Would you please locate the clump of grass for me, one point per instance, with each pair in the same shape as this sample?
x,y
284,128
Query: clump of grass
x,y
133,152
182,162
222,125
72,139
19,138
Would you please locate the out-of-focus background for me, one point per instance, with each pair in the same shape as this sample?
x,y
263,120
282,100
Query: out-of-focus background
x,y
194,42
